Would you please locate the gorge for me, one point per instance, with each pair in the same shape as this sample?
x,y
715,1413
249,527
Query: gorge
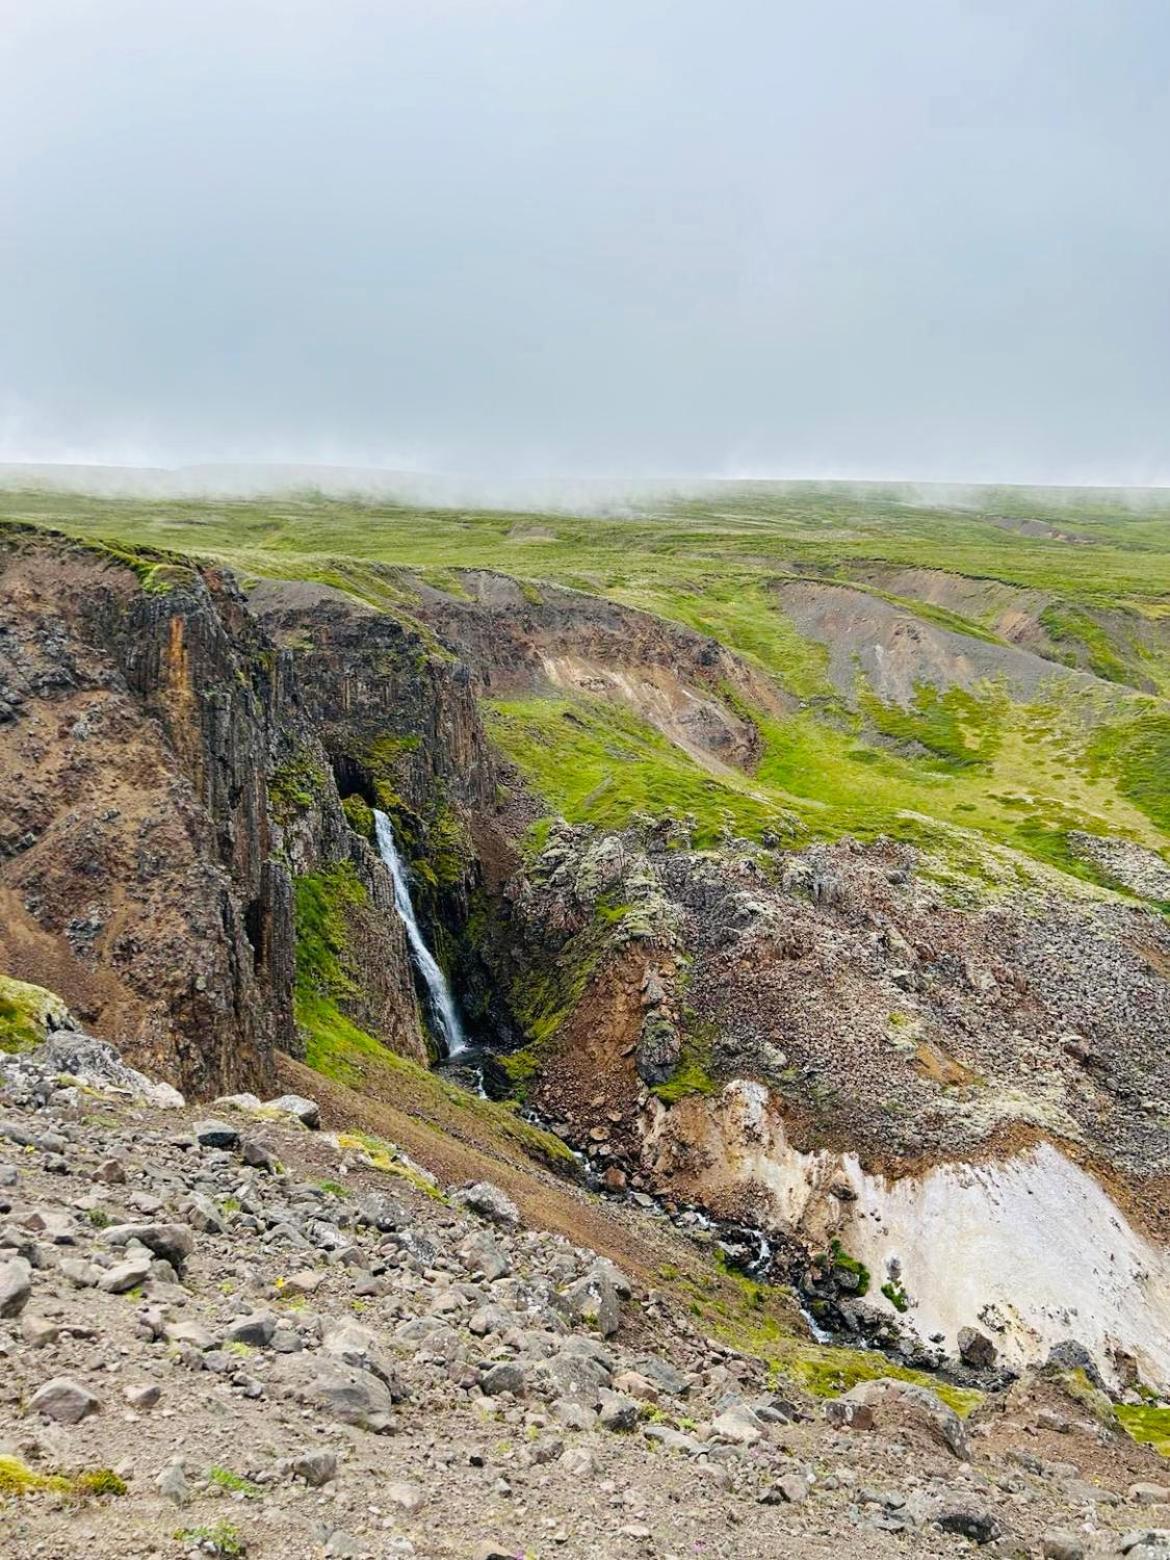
x,y
867,955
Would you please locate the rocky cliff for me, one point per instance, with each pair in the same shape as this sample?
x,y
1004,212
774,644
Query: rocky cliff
x,y
171,778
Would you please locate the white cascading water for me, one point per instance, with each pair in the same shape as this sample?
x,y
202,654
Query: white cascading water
x,y
439,993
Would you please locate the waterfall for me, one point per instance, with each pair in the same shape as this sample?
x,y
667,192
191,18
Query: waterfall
x,y
442,1003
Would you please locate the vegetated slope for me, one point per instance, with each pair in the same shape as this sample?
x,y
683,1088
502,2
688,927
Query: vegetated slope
x,y
876,855
711,564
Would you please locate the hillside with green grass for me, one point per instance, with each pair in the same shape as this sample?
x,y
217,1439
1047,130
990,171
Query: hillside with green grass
x,y
1077,583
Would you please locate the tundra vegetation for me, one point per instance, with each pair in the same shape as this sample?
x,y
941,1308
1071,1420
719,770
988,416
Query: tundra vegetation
x,y
1080,578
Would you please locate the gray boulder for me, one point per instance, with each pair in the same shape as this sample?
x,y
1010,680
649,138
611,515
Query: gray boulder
x,y
172,1243
215,1134
356,1397
481,1255
125,1276
64,1400
15,1286
976,1349
489,1202
595,1301
316,1468
307,1112
255,1331
508,1376
904,1403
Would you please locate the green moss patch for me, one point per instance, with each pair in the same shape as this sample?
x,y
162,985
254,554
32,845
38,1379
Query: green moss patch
x,y
1085,641
217,1538
17,1479
1145,1423
1135,751
692,1075
359,815
762,1320
294,785
827,1372
234,1483
26,1012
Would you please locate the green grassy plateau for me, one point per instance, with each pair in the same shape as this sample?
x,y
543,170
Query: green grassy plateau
x,y
1080,578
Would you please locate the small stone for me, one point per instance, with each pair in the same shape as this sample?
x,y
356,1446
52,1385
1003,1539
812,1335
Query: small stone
x,y
112,1172
307,1112
305,1282
172,1483
142,1398
171,1243
215,1134
64,1400
969,1522
238,1101
489,1202
739,1425
316,1468
256,1153
54,1224
402,1493
664,1376
1060,1544
38,1331
636,1386
790,1489
579,1463
382,1212
125,1276
481,1255
1149,1494
82,1275
193,1334
617,1412
202,1214
573,1416
15,1286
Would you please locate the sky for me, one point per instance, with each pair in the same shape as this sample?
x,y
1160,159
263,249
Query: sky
x,y
916,239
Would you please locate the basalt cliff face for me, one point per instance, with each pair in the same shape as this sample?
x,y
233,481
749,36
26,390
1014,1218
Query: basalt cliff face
x,y
169,771
847,1045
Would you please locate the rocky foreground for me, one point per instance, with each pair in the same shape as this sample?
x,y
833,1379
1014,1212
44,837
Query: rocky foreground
x,y
232,1331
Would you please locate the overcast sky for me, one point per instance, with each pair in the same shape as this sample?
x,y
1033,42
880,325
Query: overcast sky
x,y
924,238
